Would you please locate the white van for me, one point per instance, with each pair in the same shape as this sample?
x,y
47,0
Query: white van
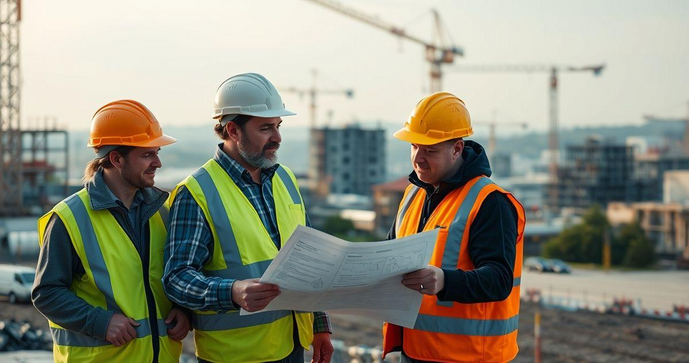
x,y
16,282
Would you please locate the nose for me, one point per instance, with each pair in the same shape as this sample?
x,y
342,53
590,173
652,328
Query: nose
x,y
276,137
416,157
156,162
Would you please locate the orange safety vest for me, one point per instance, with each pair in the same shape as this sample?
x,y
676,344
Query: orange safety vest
x,y
447,331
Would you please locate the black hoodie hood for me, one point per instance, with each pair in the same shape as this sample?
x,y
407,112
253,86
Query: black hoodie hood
x,y
475,164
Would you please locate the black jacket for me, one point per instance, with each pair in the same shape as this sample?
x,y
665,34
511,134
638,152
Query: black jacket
x,y
492,242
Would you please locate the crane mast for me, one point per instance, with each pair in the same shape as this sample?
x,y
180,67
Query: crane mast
x,y
313,93
553,123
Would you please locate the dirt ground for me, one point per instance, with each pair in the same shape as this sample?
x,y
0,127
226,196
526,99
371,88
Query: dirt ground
x,y
565,336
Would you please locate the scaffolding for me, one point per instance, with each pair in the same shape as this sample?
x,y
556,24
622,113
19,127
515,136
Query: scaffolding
x,y
10,131
45,163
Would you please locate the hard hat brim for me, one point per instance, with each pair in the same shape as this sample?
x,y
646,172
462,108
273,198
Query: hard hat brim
x,y
265,114
416,138
160,141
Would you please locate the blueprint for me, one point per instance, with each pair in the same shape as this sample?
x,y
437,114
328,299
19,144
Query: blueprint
x,y
320,272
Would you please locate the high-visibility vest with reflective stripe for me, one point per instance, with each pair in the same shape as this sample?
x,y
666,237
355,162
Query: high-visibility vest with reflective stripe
x,y
448,331
113,281
243,249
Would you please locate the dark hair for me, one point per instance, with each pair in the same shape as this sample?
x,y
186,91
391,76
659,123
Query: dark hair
x,y
94,165
221,130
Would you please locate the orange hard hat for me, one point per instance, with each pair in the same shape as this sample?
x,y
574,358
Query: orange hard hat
x,y
126,123
436,118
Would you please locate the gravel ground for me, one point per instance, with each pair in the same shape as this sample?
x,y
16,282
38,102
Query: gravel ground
x,y
565,336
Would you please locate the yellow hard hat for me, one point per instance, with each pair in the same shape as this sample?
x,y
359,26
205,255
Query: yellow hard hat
x,y
126,123
436,118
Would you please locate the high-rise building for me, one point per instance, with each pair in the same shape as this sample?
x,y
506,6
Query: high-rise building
x,y
649,174
346,160
596,172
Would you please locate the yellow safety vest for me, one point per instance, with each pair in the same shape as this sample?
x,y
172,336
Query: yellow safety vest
x,y
113,282
243,249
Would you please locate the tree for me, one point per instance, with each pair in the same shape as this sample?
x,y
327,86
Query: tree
x,y
582,242
640,252
338,226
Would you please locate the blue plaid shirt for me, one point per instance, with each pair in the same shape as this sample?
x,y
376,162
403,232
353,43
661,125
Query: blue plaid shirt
x,y
190,243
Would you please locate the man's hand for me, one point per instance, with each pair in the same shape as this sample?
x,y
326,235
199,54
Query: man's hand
x,y
252,295
322,348
181,324
427,280
121,330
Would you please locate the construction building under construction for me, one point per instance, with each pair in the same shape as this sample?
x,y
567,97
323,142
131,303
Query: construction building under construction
x,y
32,160
346,160
596,172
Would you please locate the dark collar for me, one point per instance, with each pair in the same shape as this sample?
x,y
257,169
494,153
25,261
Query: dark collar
x,y
103,198
236,171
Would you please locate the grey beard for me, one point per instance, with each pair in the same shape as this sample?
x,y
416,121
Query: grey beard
x,y
257,160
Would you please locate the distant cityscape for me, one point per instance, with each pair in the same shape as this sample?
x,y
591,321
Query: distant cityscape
x,y
359,172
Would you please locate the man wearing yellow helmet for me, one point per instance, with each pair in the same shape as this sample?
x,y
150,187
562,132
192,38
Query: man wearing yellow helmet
x,y
470,307
99,272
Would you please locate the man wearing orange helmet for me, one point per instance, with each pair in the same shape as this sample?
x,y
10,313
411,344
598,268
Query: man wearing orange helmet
x,y
99,272
470,307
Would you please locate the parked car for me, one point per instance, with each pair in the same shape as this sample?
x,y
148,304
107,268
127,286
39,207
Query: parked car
x,y
539,264
559,266
16,282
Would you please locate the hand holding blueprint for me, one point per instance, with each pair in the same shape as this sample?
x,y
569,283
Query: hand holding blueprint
x,y
319,272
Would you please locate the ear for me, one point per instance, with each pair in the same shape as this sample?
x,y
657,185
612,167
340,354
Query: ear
x,y
458,148
233,131
116,159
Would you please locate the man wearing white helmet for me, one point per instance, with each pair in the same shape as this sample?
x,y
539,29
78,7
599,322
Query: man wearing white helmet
x,y
228,221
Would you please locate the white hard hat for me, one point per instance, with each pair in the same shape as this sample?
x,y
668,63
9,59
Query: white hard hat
x,y
248,94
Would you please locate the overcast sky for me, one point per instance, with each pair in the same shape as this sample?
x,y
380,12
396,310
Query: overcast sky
x,y
78,55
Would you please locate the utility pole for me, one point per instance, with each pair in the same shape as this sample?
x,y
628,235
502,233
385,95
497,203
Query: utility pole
x,y
607,258
685,142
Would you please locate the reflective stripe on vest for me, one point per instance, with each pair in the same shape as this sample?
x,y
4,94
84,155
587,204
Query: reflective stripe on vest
x,y
241,272
291,188
220,220
230,321
457,228
475,327
405,206
67,337
101,276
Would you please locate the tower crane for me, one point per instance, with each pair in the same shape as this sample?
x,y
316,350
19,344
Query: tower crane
x,y
313,91
438,51
553,144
